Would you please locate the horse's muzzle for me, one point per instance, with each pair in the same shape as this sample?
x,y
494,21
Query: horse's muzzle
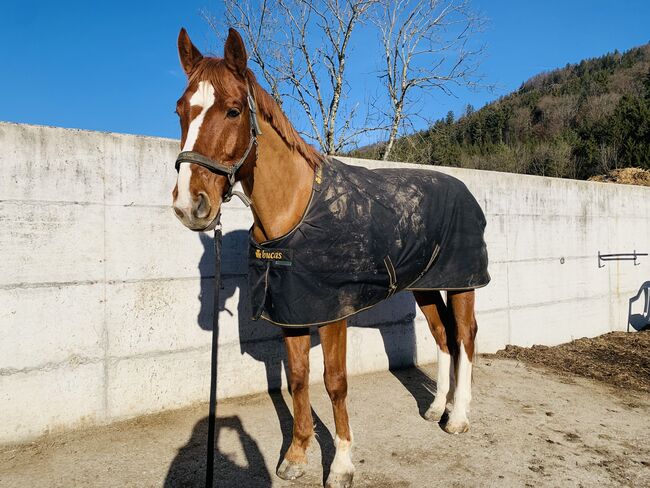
x,y
200,216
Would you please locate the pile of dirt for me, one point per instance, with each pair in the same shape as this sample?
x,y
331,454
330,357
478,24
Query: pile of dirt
x,y
620,359
626,176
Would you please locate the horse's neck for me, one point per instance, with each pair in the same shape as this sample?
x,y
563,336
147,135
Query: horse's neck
x,y
279,186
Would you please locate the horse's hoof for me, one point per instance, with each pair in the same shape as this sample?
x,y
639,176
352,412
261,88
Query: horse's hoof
x,y
291,471
434,413
457,426
339,480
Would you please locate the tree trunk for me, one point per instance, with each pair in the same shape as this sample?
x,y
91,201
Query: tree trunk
x,y
397,118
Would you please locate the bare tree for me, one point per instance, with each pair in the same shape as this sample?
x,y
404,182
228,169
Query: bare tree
x,y
301,49
427,45
318,72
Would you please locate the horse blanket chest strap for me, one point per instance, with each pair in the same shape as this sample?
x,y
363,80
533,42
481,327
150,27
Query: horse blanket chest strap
x,y
365,235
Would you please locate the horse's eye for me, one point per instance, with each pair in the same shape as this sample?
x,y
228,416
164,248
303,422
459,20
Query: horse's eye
x,y
232,113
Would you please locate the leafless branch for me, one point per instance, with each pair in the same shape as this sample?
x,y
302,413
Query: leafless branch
x,y
426,46
301,48
259,27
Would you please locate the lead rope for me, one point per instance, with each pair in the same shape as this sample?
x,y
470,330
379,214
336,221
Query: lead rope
x,y
218,234
212,416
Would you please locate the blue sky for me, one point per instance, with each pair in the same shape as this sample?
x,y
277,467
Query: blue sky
x,y
113,66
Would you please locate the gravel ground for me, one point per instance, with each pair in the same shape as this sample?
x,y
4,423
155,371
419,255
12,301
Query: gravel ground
x,y
530,427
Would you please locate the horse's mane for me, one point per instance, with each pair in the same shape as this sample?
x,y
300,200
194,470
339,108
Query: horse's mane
x,y
212,69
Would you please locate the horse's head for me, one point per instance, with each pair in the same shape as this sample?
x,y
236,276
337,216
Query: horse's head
x,y
216,129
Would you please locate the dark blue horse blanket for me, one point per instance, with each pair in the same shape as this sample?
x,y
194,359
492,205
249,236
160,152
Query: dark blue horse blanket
x,y
365,235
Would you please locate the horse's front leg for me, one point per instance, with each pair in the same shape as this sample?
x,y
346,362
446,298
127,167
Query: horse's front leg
x,y
333,339
295,460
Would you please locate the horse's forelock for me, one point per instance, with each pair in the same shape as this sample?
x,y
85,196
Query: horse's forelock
x,y
215,71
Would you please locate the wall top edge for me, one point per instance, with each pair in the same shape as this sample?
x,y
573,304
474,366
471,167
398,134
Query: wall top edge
x,y
372,163
495,174
73,130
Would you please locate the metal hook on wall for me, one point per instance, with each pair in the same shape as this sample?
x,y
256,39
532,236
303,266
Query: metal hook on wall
x,y
629,256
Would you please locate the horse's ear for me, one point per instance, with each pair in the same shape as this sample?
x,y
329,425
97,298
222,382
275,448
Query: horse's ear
x,y
189,54
234,52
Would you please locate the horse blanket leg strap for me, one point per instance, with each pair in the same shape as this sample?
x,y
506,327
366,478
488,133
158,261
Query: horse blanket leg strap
x,y
212,417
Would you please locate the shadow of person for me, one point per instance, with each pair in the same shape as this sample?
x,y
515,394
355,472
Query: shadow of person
x,y
640,321
245,467
257,338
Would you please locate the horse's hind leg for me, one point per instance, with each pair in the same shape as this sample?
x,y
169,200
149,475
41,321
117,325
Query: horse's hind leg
x,y
294,463
441,324
333,339
462,307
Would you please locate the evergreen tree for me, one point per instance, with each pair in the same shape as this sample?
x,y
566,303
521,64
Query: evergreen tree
x,y
577,121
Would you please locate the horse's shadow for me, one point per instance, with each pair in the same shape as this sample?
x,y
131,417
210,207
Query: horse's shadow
x,y
256,337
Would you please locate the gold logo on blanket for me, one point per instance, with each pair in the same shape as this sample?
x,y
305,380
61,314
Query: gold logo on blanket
x,y
273,255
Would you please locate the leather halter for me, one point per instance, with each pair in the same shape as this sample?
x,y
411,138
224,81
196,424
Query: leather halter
x,y
230,171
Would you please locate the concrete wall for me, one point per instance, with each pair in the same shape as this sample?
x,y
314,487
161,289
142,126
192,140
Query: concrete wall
x,y
105,299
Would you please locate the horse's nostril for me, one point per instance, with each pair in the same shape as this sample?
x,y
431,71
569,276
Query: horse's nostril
x,y
179,212
201,207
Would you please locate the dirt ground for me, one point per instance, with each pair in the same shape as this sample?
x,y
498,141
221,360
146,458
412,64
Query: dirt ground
x,y
619,359
626,176
530,427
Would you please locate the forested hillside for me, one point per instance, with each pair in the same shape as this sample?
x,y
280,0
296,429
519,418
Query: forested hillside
x,y
575,122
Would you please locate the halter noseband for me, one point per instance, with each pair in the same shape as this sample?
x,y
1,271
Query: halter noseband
x,y
218,167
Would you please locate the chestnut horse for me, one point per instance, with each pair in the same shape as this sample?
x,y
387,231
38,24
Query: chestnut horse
x,y
227,141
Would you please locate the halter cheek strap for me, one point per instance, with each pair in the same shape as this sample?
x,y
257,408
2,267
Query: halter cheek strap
x,y
230,171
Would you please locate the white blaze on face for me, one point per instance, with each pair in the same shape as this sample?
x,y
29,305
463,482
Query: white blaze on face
x,y
204,98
